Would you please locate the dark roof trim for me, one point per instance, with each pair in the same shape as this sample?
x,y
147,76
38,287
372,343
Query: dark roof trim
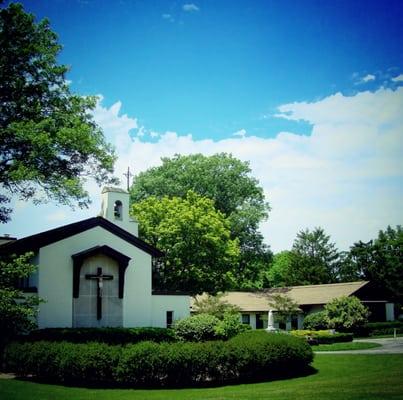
x,y
78,259
169,293
35,242
106,250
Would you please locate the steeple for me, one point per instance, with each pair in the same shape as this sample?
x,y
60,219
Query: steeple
x,y
115,208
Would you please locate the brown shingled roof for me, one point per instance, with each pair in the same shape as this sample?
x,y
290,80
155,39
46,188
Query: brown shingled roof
x,y
302,295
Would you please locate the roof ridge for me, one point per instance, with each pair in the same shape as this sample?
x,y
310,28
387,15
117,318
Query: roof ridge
x,y
42,239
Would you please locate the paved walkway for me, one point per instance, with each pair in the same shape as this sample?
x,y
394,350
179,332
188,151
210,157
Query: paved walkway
x,y
389,346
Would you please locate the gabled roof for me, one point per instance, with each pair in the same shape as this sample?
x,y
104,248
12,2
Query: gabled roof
x,y
302,295
35,242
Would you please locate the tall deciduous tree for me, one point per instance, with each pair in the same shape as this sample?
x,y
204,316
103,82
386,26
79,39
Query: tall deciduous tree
x,y
199,252
380,261
318,254
280,271
49,141
227,181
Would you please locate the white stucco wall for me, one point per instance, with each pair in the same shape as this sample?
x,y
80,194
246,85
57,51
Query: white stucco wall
x,y
179,304
55,279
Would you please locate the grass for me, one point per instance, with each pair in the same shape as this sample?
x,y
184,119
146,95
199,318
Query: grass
x,y
338,377
345,346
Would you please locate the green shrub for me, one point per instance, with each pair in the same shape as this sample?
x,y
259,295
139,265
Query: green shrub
x,y
64,362
323,336
196,328
250,355
316,321
103,335
346,313
381,328
230,326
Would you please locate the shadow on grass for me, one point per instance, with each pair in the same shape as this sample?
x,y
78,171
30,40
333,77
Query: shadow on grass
x,y
268,377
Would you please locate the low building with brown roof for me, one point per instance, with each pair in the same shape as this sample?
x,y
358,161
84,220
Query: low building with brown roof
x,y
254,306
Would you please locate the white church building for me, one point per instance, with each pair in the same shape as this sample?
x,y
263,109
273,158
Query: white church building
x,y
97,272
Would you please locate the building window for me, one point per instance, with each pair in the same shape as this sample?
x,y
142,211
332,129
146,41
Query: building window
x,y
170,319
117,209
259,321
246,319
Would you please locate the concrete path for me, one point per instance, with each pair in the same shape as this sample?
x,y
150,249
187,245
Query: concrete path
x,y
389,346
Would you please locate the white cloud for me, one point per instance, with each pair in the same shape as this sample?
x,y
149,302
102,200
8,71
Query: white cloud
x,y
168,17
190,7
368,78
241,133
346,176
141,131
398,78
359,80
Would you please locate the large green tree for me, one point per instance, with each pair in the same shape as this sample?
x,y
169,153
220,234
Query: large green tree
x,y
227,181
17,311
199,252
313,259
379,261
279,273
49,142
317,254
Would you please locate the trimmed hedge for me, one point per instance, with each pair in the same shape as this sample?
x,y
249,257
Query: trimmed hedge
x,y
323,336
248,356
380,328
205,327
88,363
102,335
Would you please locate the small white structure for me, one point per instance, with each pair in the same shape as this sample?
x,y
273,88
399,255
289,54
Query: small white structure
x,y
97,272
270,322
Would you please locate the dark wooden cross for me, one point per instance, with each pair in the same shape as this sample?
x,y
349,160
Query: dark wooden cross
x,y
100,277
128,174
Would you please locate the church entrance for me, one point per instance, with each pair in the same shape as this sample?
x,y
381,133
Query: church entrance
x,y
98,303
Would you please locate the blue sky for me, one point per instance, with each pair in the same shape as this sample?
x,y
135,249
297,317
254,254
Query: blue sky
x,y
282,84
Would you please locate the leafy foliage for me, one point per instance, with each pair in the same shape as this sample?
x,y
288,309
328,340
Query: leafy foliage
x,y
318,256
195,237
323,336
214,305
346,313
284,306
316,321
203,327
230,326
102,335
252,355
196,328
379,261
280,270
64,362
48,139
312,260
227,181
17,312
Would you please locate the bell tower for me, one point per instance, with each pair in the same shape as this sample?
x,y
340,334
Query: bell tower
x,y
115,208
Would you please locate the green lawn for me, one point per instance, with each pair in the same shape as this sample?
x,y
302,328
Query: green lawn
x,y
339,377
345,346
